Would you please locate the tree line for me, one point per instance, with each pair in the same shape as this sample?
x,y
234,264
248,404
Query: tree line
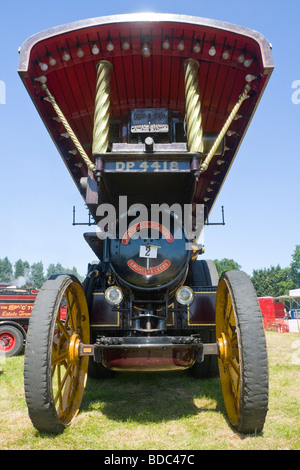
x,y
21,273
273,281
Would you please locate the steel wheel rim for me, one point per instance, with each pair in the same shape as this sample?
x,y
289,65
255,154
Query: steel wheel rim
x,y
229,351
68,370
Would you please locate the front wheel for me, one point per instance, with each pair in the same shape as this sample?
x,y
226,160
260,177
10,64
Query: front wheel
x,y
54,373
243,363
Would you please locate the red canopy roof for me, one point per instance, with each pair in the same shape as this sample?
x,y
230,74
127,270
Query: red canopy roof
x,y
229,57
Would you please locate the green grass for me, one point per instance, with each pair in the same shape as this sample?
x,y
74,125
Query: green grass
x,y
159,411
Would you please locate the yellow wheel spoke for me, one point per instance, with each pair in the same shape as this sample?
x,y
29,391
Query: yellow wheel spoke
x,y
72,309
228,312
234,365
60,384
235,387
59,358
62,329
58,396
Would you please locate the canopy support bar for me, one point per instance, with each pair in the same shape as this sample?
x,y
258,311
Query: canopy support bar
x,y
223,131
68,128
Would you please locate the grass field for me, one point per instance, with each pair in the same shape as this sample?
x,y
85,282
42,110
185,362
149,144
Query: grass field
x,y
159,411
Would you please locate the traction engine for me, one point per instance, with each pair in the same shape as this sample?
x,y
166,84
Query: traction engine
x,y
148,112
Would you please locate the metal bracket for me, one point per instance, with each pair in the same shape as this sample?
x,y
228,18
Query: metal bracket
x,y
217,223
89,223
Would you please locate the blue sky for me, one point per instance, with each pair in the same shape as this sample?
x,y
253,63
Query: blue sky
x,y
261,194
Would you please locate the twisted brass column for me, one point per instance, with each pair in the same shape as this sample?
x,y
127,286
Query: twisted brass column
x,y
193,106
102,103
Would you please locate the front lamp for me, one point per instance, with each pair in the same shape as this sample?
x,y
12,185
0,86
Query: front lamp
x,y
184,295
114,295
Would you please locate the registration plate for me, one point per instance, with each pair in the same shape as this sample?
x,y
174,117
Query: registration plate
x,y
149,120
147,166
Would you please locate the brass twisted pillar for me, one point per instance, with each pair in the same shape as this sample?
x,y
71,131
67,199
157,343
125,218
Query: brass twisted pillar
x,y
193,106
102,103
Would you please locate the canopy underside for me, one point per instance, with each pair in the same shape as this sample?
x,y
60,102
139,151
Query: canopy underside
x,y
147,53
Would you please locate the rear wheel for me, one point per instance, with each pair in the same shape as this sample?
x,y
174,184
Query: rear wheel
x,y
54,374
205,274
95,370
242,361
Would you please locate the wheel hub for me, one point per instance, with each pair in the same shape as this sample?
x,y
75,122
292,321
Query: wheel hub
x,y
74,349
224,348
6,342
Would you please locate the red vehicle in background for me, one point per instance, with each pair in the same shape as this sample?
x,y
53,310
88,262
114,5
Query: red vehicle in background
x,y
273,314
15,309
